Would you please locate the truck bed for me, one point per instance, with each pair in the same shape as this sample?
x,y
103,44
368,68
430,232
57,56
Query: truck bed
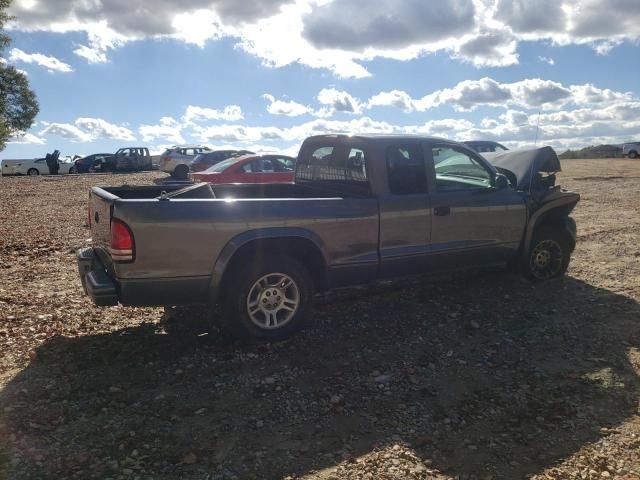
x,y
231,191
183,233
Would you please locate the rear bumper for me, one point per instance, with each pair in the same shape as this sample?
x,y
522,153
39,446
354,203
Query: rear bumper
x,y
95,281
106,291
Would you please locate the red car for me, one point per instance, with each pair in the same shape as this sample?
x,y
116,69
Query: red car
x,y
250,169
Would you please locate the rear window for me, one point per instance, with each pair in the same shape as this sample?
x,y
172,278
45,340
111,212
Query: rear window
x,y
332,164
222,166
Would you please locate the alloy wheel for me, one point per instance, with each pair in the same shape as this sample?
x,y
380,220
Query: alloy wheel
x,y
273,301
546,259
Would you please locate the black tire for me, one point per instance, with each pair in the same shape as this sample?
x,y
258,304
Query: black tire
x,y
33,172
633,154
72,170
181,172
243,288
549,254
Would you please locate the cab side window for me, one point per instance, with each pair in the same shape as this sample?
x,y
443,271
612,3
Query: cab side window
x,y
406,170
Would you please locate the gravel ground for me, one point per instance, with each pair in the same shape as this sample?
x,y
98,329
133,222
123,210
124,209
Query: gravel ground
x,y
480,375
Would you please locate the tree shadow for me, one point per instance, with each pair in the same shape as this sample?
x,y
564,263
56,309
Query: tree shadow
x,y
482,374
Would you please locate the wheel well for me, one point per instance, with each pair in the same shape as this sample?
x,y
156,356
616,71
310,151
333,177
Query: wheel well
x,y
301,249
553,219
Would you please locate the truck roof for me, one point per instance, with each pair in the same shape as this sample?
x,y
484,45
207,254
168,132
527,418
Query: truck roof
x,y
382,137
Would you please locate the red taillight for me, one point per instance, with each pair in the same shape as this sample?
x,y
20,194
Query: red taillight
x,y
89,217
165,159
122,244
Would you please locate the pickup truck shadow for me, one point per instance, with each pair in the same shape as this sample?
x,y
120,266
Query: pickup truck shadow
x,y
480,374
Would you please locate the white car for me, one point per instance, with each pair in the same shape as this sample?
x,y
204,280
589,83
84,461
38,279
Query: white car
x,y
177,160
35,166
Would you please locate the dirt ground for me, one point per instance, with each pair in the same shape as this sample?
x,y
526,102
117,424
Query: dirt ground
x,y
470,376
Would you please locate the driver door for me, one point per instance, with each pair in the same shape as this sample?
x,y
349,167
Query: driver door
x,y
472,221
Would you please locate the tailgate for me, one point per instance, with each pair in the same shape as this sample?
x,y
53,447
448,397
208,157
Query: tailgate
x,y
100,210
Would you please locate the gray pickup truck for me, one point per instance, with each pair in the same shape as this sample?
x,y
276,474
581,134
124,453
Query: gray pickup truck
x,y
361,208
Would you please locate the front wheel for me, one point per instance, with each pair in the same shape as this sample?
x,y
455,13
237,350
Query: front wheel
x,y
633,154
548,256
268,298
33,172
72,170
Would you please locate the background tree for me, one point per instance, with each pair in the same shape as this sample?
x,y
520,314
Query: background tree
x,y
18,103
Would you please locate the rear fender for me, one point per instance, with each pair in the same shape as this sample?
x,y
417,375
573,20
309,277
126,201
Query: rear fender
x,y
245,238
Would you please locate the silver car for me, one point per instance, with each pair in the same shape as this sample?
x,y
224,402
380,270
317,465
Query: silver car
x,y
177,160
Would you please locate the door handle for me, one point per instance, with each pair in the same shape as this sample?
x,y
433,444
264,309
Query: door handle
x,y
442,211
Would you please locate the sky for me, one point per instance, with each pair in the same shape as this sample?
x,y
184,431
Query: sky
x,y
265,74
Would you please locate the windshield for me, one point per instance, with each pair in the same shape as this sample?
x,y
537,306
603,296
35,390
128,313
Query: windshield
x,y
453,163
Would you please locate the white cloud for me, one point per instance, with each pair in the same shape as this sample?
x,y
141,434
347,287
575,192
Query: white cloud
x,y
339,101
392,24
341,35
532,93
489,48
547,60
230,113
91,54
393,98
86,129
168,130
99,128
27,139
50,63
66,130
237,133
288,108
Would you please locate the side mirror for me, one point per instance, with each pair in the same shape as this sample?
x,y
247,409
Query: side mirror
x,y
500,181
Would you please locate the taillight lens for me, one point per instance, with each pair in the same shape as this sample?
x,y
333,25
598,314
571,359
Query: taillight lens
x,y
89,217
122,244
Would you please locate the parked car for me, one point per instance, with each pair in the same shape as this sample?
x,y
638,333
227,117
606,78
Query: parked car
x,y
631,150
128,159
177,160
205,160
91,163
485,146
361,208
250,169
36,166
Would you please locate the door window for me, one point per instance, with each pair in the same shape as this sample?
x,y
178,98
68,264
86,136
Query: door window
x,y
406,170
457,170
258,166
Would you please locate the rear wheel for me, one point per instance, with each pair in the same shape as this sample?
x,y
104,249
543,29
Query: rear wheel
x,y
181,172
267,298
548,256
33,171
633,154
